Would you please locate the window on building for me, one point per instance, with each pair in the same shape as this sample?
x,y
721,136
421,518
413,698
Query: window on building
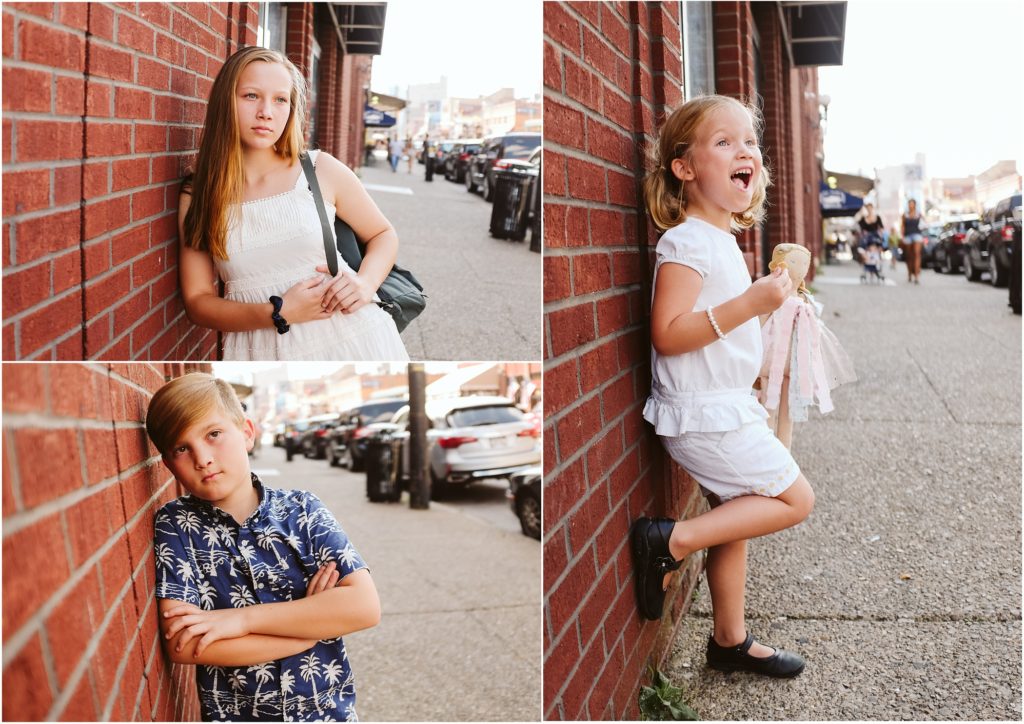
x,y
273,21
698,48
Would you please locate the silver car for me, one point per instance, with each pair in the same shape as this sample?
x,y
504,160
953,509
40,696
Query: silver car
x,y
472,438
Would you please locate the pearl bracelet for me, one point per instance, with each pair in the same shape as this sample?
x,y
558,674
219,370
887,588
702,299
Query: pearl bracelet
x,y
714,324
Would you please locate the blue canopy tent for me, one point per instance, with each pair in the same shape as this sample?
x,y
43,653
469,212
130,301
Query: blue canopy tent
x,y
836,202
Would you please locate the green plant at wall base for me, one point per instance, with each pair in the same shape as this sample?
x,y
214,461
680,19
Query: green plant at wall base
x,y
663,702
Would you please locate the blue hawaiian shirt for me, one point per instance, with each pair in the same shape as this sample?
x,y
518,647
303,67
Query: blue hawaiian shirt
x,y
204,557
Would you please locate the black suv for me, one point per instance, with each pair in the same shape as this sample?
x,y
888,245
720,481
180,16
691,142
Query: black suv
x,y
949,251
346,443
1001,222
496,150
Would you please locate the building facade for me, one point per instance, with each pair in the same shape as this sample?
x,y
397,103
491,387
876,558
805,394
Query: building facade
x,y
103,109
612,71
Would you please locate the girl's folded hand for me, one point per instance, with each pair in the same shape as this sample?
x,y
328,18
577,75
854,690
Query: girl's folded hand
x,y
303,301
768,293
347,292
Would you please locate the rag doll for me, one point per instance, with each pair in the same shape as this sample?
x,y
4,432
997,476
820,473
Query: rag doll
x,y
803,360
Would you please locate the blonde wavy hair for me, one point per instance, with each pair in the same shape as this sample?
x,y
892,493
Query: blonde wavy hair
x,y
183,402
665,194
216,184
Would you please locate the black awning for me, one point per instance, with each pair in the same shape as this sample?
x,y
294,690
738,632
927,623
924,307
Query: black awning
x,y
360,26
816,31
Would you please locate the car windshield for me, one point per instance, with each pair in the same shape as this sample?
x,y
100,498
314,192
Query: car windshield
x,y
520,146
485,415
378,409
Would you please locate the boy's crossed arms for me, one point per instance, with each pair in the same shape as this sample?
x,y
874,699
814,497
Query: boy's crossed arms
x,y
269,631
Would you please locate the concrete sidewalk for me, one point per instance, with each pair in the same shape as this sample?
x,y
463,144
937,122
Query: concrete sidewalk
x,y
460,638
903,588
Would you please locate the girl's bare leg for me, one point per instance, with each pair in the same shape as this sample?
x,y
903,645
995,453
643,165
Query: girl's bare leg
x,y
749,516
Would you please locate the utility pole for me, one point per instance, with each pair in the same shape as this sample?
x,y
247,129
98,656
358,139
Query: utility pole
x,y
419,480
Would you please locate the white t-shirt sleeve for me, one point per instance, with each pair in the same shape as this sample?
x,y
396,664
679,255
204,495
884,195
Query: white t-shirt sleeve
x,y
682,246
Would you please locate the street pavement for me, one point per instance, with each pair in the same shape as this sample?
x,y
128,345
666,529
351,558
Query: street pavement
x,y
903,588
460,637
484,294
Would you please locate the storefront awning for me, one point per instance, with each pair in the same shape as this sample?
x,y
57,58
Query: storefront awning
x,y
815,31
372,118
360,26
836,202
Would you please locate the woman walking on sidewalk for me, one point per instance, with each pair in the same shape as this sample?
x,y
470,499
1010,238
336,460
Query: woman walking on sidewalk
x,y
248,217
913,238
709,180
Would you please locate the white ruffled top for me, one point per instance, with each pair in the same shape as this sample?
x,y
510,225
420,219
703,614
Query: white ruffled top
x,y
709,389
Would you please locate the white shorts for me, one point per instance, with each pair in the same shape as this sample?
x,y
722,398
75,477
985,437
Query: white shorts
x,y
747,461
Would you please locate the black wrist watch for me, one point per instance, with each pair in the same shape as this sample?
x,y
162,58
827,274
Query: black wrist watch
x,y
280,322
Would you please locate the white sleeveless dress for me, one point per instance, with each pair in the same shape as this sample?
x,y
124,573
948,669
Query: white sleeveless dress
x,y
276,242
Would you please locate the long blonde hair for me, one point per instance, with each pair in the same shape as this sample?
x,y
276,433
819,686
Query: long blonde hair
x,y
664,193
216,185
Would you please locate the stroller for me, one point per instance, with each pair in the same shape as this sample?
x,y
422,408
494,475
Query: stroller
x,y
871,260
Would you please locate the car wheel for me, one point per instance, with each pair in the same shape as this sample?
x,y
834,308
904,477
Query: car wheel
x,y
470,186
485,188
355,463
528,509
947,264
998,275
439,487
289,452
331,460
970,271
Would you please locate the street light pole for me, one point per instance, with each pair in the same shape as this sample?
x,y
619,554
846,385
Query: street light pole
x,y
419,481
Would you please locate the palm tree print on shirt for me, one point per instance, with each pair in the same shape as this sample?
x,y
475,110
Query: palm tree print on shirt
x,y
204,555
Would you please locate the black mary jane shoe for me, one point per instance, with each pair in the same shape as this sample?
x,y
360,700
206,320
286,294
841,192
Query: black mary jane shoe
x,y
781,664
648,539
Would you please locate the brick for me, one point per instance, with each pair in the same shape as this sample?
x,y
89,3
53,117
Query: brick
x,y
115,569
561,27
91,522
112,63
618,396
101,21
82,704
617,109
70,96
97,258
67,185
571,328
132,446
24,388
577,691
563,125
612,314
165,168
555,179
67,271
26,90
561,386
43,452
98,99
552,68
564,601
153,74
598,366
96,179
622,189
590,273
147,203
103,293
130,244
560,660
104,216
179,139
626,268
72,624
144,334
612,145
576,429
74,15
584,522
183,82
27,693
25,288
48,140
556,278
50,46
587,180
107,658
133,103
100,455
8,131
108,139
150,138
134,34
36,567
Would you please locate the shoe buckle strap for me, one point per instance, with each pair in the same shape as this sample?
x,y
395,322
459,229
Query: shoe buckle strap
x,y
667,563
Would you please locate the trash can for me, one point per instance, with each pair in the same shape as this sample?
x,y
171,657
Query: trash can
x,y
382,460
538,212
509,213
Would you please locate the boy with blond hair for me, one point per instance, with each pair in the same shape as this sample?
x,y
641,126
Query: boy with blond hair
x,y
255,585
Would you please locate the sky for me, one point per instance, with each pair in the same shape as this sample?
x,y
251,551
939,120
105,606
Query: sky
x,y
941,78
481,45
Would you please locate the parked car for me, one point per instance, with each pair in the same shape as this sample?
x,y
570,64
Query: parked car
x,y
931,238
949,252
279,436
975,257
497,151
441,151
314,439
1003,222
524,497
346,444
293,432
456,161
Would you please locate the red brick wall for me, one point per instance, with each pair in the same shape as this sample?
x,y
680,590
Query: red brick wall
x,y
81,484
603,465
103,107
